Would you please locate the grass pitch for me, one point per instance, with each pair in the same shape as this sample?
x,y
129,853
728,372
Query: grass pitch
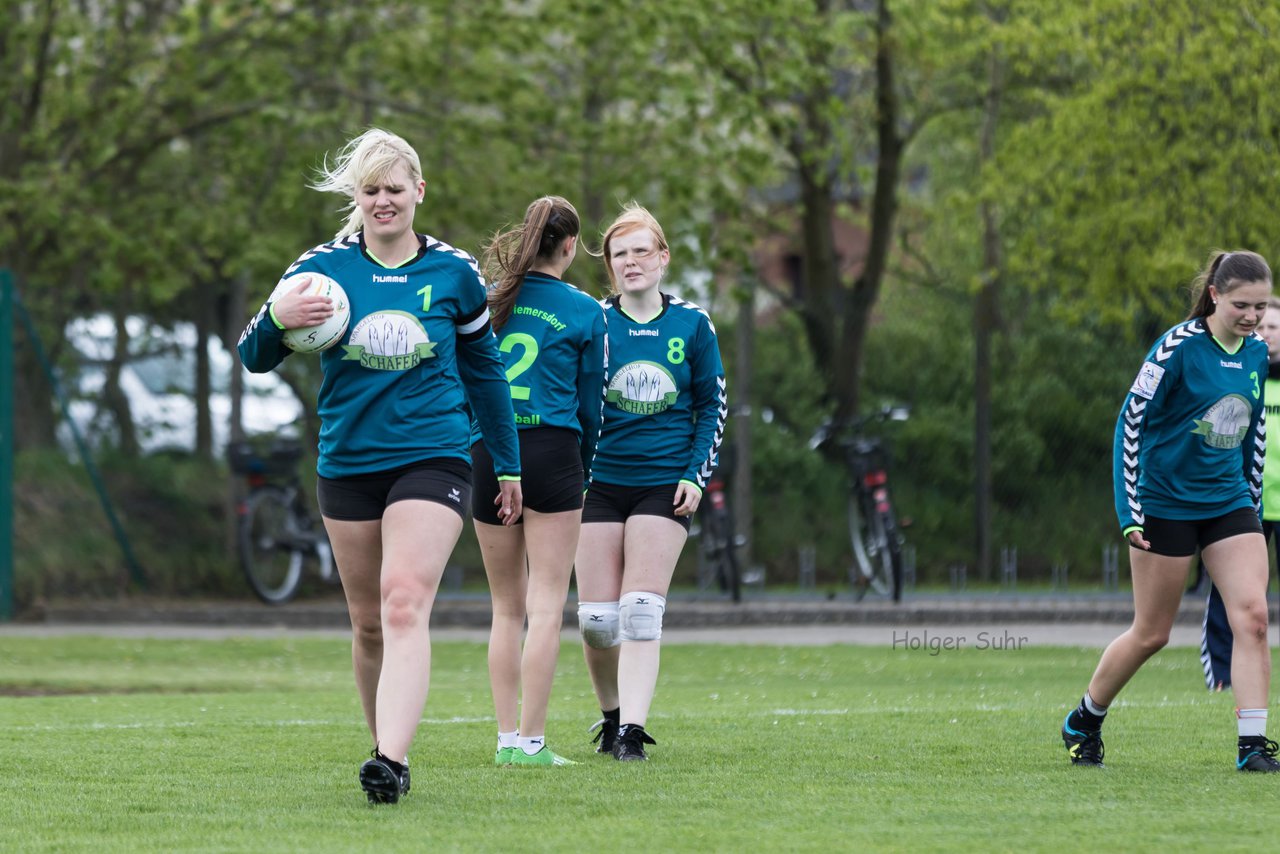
x,y
253,745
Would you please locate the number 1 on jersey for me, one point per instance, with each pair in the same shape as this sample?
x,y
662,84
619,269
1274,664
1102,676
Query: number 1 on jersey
x,y
527,358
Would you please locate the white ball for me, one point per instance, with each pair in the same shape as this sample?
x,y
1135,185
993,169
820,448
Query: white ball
x,y
313,339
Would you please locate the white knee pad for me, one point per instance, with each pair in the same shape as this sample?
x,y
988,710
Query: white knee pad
x,y
641,616
598,622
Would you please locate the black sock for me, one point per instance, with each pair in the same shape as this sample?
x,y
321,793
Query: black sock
x,y
1084,720
615,716
395,766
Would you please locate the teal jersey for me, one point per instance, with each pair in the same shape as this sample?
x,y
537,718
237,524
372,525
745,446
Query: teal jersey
x,y
1191,436
418,347
665,406
553,347
1271,474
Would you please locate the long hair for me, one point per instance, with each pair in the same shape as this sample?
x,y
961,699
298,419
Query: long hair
x,y
510,255
1225,272
634,216
363,161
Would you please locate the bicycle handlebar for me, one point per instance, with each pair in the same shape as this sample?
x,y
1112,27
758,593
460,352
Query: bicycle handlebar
x,y
830,429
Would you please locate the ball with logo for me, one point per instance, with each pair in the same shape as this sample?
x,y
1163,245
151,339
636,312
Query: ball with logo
x,y
313,339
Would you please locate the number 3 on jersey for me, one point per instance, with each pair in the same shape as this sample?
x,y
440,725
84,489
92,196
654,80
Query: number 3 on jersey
x,y
527,358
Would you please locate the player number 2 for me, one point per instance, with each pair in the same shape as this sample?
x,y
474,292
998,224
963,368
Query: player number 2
x,y
527,358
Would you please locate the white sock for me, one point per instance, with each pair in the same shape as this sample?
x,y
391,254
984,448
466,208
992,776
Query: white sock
x,y
532,745
1251,722
508,739
1093,707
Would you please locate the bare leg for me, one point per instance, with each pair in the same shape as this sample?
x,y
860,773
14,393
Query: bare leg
x,y
599,572
417,539
357,550
1157,591
502,548
652,545
1238,566
552,539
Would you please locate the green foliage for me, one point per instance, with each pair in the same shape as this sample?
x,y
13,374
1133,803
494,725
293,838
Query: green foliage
x,y
879,747
174,510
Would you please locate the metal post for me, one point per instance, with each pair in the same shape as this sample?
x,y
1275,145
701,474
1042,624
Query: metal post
x,y
6,445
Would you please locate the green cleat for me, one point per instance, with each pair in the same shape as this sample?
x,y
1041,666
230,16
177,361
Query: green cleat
x,y
503,755
543,758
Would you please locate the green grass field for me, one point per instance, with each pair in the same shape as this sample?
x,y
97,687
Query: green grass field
x,y
114,744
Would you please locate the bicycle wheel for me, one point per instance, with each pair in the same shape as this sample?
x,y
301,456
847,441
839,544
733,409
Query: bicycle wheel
x,y
270,558
893,551
872,560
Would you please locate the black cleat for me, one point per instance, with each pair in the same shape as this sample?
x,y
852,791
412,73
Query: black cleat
x,y
1258,753
607,736
384,780
630,743
1084,746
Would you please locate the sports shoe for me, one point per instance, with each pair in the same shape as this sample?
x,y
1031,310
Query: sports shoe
x,y
630,743
1085,748
607,735
1258,753
503,755
384,780
544,757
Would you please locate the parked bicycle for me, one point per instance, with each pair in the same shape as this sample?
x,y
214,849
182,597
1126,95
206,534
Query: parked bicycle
x,y
874,533
717,541
277,536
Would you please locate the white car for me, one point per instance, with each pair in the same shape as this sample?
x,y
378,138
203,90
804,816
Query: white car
x,y
158,380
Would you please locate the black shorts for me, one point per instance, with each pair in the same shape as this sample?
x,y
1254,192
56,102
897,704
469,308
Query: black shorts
x,y
550,474
1181,537
607,502
364,497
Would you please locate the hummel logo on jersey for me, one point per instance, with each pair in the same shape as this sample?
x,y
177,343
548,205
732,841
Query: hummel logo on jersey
x,y
642,332
455,496
379,279
1227,364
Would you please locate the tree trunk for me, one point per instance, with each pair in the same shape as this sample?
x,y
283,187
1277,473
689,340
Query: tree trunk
x,y
114,400
740,393
985,323
203,385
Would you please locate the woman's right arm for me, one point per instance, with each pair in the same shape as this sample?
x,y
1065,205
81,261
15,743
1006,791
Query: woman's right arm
x,y
1150,389
262,342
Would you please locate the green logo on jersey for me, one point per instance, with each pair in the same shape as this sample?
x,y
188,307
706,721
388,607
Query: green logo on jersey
x,y
389,341
1224,424
642,388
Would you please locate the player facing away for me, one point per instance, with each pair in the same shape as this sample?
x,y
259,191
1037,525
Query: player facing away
x,y
1216,640
664,420
1189,448
552,341
394,468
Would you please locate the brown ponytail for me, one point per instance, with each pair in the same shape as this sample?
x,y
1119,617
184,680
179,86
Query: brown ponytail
x,y
1225,272
511,254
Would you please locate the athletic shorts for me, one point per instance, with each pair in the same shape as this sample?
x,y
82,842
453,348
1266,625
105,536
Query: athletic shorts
x,y
364,497
1181,537
607,502
550,474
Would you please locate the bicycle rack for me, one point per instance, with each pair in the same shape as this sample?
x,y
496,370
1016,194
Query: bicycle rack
x,y
1059,576
1111,567
1009,568
807,570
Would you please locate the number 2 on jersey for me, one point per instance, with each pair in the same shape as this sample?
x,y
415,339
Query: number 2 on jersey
x,y
527,358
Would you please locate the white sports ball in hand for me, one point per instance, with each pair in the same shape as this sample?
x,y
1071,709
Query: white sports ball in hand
x,y
313,339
